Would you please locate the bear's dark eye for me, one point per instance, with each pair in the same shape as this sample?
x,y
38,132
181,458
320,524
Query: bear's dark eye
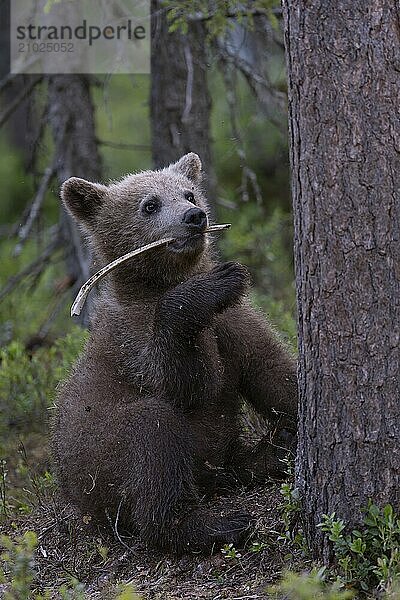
x,y
189,197
151,206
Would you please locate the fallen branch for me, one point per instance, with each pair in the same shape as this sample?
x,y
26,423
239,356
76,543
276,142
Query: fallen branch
x,y
90,283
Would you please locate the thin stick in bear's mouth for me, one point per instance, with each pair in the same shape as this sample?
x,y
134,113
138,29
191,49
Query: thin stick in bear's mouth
x,y
80,299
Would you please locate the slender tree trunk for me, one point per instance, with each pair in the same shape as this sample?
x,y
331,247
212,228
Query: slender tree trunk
x,y
180,101
4,38
71,116
344,86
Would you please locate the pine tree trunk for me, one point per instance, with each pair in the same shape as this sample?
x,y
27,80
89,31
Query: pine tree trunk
x,y
180,101
344,86
71,116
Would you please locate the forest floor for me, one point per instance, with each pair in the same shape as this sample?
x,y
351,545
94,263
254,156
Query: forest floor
x,y
70,548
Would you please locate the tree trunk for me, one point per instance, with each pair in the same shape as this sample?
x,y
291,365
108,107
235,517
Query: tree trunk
x,y
180,101
71,116
343,74
4,38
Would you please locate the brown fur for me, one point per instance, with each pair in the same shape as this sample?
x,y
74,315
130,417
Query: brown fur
x,y
148,419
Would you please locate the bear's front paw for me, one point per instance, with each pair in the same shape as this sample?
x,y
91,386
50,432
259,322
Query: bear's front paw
x,y
230,283
192,305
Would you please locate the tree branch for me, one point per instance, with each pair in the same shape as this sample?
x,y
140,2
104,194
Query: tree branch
x,y
57,305
36,267
37,138
34,209
272,100
6,80
233,14
8,111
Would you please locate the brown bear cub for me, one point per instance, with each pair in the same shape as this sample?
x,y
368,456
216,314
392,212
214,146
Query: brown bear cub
x,y
149,419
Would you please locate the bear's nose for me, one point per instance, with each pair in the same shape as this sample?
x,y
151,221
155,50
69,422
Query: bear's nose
x,y
195,217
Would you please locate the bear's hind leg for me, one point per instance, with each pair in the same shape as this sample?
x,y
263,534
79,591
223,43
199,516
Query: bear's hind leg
x,y
161,492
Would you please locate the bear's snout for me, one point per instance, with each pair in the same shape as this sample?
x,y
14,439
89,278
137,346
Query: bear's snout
x,y
195,218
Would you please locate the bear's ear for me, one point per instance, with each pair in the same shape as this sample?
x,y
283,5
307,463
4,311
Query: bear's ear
x,y
82,198
189,165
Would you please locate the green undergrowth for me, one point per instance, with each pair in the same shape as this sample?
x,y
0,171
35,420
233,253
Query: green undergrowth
x,y
28,381
18,574
369,557
309,586
366,561
37,303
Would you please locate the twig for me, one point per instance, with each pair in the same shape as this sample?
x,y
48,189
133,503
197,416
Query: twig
x,y
8,111
87,286
34,209
114,527
85,289
36,267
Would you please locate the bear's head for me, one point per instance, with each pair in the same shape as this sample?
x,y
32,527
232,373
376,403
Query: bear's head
x,y
140,209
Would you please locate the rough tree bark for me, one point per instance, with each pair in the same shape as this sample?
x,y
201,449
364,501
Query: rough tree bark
x,y
71,117
344,84
180,101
